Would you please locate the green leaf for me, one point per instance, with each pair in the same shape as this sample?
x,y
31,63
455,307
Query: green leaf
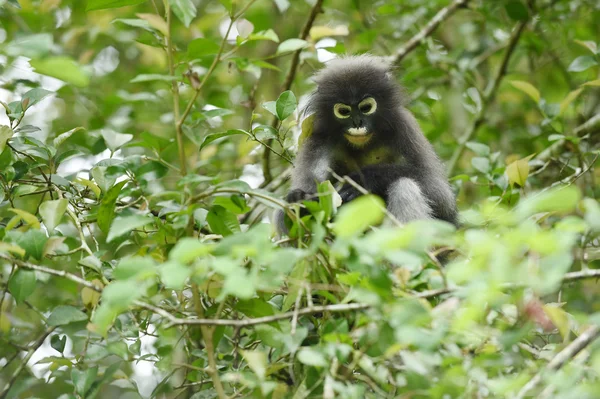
x,y
52,212
58,343
528,89
235,204
285,105
22,284
557,199
479,148
215,136
185,10
174,274
240,285
102,4
134,266
569,99
588,44
5,134
481,164
221,221
268,34
188,249
64,314
312,357
136,23
61,138
271,106
115,140
357,215
582,63
62,68
31,46
35,96
153,77
257,361
124,225
103,180
83,379
291,45
516,10
33,242
106,212
201,47
592,213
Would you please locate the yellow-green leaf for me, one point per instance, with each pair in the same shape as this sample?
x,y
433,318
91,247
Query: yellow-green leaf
x,y
527,88
89,184
27,217
593,83
307,128
357,215
15,249
318,32
559,318
63,68
5,134
52,212
156,22
569,99
518,171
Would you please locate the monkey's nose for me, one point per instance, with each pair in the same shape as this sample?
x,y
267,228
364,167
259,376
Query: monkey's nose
x,y
358,122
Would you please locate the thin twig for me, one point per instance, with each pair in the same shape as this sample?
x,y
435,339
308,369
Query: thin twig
x,y
174,89
488,97
173,321
587,337
590,126
24,361
287,84
433,23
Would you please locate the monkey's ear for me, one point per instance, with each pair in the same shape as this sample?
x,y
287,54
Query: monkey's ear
x,y
308,125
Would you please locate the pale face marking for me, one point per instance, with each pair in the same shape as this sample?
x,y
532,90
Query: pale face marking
x,y
357,131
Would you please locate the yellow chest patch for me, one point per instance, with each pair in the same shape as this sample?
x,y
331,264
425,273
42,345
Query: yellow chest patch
x,y
348,162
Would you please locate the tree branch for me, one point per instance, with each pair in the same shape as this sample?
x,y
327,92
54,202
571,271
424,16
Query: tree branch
x,y
179,121
431,26
488,97
590,126
23,363
287,84
587,337
175,321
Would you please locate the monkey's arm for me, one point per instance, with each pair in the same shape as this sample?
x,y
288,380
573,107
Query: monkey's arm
x,y
311,166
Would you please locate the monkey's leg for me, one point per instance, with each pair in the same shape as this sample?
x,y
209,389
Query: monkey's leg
x,y
406,201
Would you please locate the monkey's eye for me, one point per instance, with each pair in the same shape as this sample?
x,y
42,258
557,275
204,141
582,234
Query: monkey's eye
x,y
368,106
342,111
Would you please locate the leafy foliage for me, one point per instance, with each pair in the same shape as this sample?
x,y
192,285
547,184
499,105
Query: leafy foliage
x,y
145,144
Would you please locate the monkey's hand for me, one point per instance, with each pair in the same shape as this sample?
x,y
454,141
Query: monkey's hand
x,y
348,192
298,195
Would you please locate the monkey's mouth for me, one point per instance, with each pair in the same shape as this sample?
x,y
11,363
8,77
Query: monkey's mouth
x,y
358,135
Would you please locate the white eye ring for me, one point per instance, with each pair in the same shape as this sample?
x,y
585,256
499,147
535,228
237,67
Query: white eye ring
x,y
342,111
369,105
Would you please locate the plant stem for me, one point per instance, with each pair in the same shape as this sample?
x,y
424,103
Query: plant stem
x,y
287,84
488,97
174,90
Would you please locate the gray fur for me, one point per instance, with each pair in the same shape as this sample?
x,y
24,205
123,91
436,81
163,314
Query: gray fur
x,y
413,182
407,202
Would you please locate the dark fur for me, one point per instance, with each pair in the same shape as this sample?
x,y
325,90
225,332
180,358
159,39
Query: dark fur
x,y
405,152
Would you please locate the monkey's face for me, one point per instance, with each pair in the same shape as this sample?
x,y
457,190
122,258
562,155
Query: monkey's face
x,y
357,120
